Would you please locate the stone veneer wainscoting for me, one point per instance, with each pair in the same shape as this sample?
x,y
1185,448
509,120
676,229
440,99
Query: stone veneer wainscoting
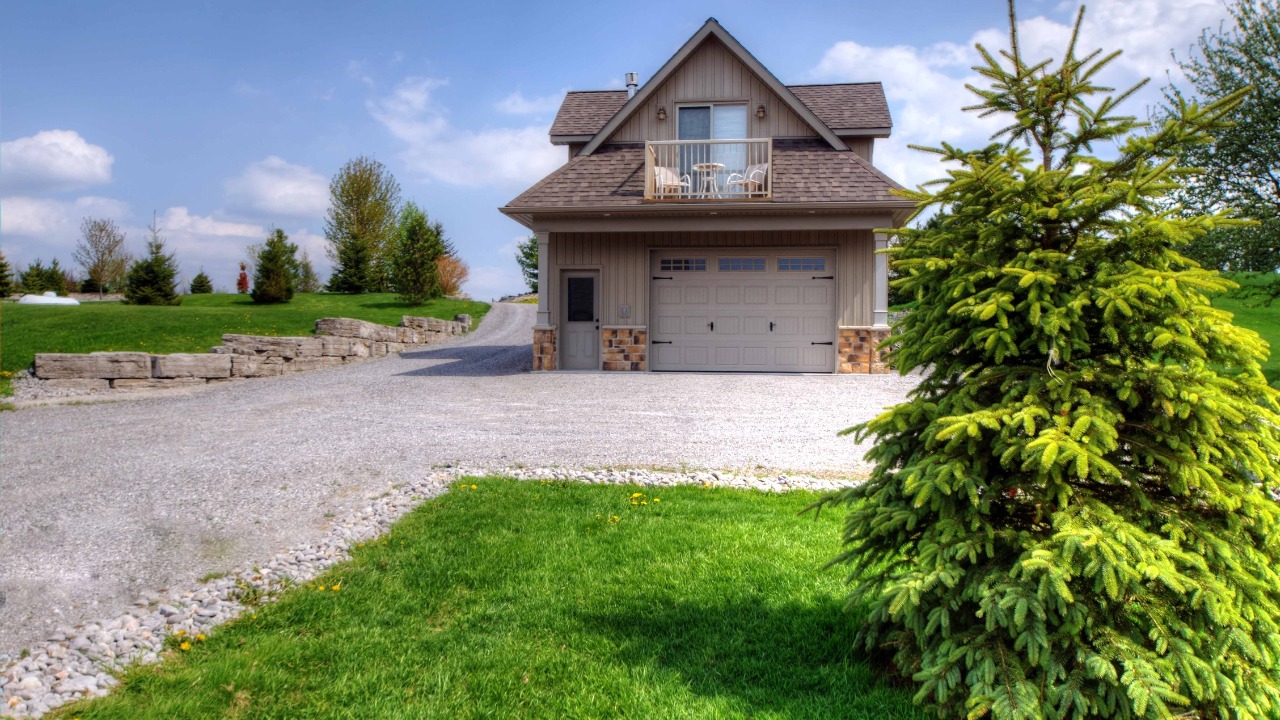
x,y
544,348
857,351
624,348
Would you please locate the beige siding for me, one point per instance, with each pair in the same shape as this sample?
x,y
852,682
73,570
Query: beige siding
x,y
712,74
623,261
862,146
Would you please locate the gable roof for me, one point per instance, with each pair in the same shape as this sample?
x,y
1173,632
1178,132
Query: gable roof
x,y
846,108
712,28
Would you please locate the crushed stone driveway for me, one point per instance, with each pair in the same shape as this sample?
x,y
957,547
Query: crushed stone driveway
x,y
101,502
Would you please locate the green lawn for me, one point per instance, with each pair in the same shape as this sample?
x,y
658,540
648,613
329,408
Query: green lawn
x,y
1262,319
547,600
194,326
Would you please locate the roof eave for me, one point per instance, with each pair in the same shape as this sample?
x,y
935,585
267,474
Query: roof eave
x,y
570,139
879,132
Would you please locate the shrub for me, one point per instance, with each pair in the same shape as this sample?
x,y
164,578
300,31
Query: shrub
x,y
242,280
201,285
453,272
1069,517
274,272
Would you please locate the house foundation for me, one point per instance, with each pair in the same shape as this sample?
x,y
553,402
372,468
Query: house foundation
x,y
544,348
858,350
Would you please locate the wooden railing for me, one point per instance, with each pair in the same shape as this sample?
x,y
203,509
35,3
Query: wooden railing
x,y
708,170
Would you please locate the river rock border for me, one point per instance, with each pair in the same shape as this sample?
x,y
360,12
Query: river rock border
x,y
337,341
83,661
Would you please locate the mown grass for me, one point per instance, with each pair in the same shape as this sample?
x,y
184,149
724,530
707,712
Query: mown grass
x,y
194,326
547,600
1248,306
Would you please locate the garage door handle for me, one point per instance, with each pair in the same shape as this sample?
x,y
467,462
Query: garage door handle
x,y
815,277
771,327
660,342
712,326
655,277
816,343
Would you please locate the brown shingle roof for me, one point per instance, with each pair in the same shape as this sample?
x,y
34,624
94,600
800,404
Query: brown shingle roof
x,y
585,112
846,106
805,171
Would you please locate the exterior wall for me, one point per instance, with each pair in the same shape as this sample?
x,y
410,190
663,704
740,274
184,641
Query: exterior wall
x,y
863,147
544,348
857,350
711,74
625,348
623,261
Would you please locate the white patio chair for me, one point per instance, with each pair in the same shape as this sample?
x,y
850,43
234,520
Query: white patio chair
x,y
667,182
751,180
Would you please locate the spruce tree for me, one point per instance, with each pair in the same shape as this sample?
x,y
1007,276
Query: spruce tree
x,y
201,284
1069,517
416,251
305,279
6,277
273,274
153,280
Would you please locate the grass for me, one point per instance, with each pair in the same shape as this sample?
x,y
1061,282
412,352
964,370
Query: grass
x,y
1263,319
546,600
194,326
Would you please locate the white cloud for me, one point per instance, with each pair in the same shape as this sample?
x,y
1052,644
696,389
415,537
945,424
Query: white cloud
x,y
45,228
925,85
279,188
517,104
488,282
436,149
52,160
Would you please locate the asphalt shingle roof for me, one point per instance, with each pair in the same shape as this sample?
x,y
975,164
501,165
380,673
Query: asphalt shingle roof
x,y
805,171
846,106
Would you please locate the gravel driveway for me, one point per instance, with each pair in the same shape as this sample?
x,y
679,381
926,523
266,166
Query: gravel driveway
x,y
101,502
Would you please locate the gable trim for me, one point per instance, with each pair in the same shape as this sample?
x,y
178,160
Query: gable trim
x,y
709,28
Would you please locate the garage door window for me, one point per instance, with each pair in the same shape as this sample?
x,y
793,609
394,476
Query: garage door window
x,y
802,264
683,265
741,264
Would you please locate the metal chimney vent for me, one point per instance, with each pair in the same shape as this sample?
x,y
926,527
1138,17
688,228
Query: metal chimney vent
x,y
633,82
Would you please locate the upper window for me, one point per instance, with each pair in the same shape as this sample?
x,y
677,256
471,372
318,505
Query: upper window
x,y
712,122
741,264
802,264
683,264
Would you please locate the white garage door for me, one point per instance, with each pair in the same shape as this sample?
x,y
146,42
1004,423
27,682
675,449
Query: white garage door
x,y
752,311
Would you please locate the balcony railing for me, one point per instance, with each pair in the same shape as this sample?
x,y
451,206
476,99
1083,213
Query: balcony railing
x,y
708,170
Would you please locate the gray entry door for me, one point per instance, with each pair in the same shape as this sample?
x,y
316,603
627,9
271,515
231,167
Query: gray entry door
x,y
580,349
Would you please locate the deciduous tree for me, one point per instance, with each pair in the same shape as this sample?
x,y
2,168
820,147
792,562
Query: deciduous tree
x,y
453,273
527,259
1069,517
364,207
101,253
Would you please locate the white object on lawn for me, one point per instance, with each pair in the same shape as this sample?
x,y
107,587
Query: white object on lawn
x,y
49,298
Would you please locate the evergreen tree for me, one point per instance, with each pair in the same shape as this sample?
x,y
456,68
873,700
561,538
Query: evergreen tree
x,y
201,284
6,278
527,259
275,270
1242,163
1069,517
306,280
37,278
153,280
364,206
417,249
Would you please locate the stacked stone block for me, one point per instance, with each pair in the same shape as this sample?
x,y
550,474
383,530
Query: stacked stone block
x,y
337,341
544,348
625,348
858,352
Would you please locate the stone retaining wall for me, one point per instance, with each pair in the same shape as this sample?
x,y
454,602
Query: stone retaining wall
x,y
337,341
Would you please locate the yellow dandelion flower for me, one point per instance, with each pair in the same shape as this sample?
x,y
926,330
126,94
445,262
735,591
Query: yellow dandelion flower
x,y
180,633
475,487
636,495
320,588
201,637
633,502
185,646
642,502
657,499
337,587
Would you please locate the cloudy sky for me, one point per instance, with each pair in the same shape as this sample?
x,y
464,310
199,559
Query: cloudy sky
x,y
224,119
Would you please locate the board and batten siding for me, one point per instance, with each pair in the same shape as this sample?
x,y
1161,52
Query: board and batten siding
x,y
713,74
623,262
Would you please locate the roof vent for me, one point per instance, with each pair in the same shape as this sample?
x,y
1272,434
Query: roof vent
x,y
633,82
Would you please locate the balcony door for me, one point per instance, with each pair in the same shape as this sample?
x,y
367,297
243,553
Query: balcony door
x,y
712,122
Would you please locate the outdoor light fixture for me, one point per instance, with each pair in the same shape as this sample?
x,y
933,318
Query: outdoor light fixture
x,y
760,111
662,112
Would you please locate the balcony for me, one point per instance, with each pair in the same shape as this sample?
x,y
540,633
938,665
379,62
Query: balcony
x,y
708,170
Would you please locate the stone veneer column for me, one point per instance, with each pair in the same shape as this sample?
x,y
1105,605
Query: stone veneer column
x,y
544,348
858,350
624,348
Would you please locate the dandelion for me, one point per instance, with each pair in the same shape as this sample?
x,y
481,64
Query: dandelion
x,y
180,633
337,587
201,637
185,646
657,500
642,502
475,487
636,495
320,588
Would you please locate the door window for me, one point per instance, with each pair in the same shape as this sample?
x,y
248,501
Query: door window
x,y
582,299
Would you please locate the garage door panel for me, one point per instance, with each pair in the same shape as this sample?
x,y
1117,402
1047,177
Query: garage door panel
x,y
765,320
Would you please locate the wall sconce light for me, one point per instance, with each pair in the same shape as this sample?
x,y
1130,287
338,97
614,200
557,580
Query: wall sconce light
x,y
662,112
760,112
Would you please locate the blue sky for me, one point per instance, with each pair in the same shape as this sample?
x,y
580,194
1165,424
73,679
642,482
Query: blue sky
x,y
227,118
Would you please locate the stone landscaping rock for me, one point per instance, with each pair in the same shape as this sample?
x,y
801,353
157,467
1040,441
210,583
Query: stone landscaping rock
x,y
103,365
86,384
155,383
182,365
247,366
303,364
